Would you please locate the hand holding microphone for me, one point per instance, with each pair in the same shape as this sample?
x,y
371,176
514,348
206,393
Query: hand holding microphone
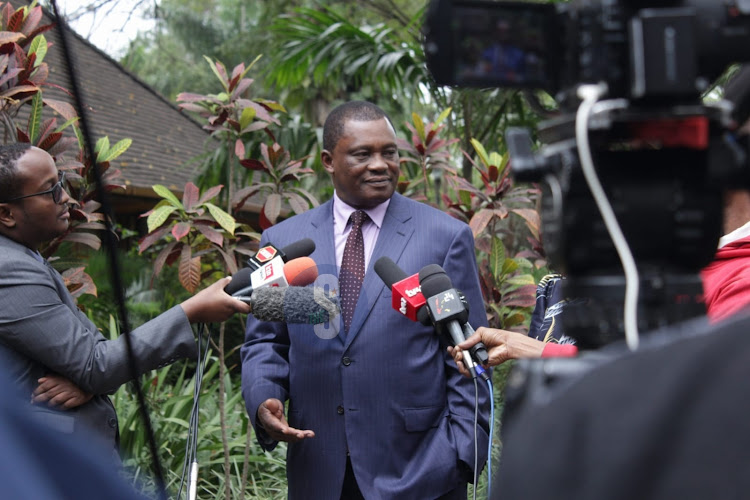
x,y
409,300
503,345
278,292
447,310
213,304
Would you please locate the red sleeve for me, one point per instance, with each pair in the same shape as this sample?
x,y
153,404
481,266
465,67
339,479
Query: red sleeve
x,y
552,350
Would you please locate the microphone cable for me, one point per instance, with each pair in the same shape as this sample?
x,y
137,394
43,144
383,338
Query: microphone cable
x,y
489,443
190,463
476,443
109,239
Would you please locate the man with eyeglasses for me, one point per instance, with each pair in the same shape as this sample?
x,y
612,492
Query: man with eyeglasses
x,y
50,349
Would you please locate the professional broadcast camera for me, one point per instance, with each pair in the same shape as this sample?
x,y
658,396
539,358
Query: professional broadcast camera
x,y
628,76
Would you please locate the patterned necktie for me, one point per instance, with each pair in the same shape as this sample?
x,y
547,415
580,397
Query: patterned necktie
x,y
352,268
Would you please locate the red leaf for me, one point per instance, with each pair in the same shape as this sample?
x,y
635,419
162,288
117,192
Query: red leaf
x,y
180,230
190,270
239,149
210,193
16,21
165,255
493,173
233,82
22,137
32,20
87,239
50,140
263,221
190,196
253,164
211,234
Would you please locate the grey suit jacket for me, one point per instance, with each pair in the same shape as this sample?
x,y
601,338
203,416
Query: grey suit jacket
x,y
42,331
387,394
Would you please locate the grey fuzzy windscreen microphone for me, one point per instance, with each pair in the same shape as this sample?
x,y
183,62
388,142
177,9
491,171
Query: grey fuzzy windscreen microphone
x,y
294,304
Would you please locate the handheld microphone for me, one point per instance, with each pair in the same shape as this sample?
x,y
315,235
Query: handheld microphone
x,y
293,304
268,253
297,272
407,296
447,310
409,300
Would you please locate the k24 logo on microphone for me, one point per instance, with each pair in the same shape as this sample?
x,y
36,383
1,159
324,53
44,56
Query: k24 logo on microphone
x,y
444,304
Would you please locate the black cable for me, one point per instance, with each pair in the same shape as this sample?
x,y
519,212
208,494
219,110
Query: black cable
x,y
191,443
110,243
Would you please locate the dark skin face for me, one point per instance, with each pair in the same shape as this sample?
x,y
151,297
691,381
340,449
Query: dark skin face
x,y
37,219
364,164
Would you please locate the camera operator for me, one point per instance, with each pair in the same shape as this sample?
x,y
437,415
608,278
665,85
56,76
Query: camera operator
x,y
726,281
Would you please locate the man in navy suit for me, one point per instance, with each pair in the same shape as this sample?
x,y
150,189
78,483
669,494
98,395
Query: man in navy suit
x,y
378,410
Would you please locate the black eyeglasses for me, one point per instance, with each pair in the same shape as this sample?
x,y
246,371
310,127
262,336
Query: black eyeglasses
x,y
56,191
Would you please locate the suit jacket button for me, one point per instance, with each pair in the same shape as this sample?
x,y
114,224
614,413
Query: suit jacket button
x,y
112,422
340,410
346,361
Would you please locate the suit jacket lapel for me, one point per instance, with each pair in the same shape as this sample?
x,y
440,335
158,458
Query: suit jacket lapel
x,y
394,235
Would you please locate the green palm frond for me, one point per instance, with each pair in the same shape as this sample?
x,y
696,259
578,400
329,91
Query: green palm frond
x,y
323,48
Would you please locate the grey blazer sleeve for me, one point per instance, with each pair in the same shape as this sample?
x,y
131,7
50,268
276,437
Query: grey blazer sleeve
x,y
39,319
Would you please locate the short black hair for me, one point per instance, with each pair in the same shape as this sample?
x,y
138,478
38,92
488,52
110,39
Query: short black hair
x,y
362,111
737,91
10,184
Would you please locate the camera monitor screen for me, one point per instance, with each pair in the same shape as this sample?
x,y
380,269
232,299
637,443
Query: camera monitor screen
x,y
502,44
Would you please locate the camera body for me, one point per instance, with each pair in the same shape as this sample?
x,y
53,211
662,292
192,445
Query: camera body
x,y
668,50
663,157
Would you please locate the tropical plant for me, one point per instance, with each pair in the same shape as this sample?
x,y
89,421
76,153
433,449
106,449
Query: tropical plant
x,y
233,118
428,151
199,228
276,162
507,276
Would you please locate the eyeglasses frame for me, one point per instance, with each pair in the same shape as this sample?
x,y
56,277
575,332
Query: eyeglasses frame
x,y
59,187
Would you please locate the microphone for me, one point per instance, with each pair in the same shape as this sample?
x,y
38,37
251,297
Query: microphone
x,y
293,304
447,311
407,294
297,272
409,300
268,253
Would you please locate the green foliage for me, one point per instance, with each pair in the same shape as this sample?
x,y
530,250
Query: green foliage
x,y
23,75
234,119
507,276
169,395
427,150
323,47
191,229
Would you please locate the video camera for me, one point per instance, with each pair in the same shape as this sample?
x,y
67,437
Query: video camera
x,y
662,156
668,49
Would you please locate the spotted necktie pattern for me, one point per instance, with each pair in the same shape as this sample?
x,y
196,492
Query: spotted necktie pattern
x,y
352,272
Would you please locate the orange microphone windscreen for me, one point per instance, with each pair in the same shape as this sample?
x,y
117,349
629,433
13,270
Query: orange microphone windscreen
x,y
300,271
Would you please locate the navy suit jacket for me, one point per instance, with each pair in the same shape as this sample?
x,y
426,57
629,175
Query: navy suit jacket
x,y
387,392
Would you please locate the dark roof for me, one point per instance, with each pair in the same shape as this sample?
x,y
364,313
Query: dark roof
x,y
122,106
